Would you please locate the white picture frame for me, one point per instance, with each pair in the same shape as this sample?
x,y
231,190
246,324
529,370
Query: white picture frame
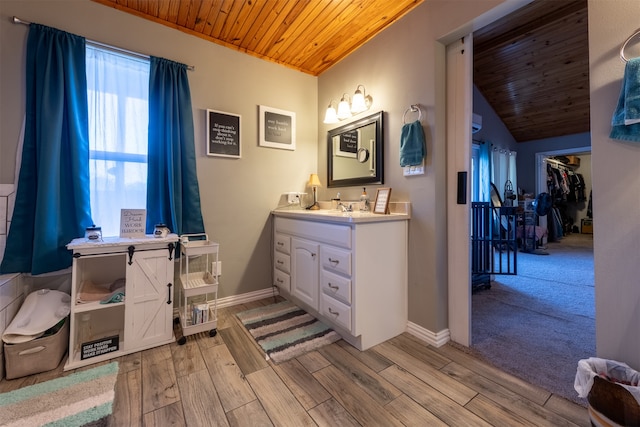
x,y
277,128
133,222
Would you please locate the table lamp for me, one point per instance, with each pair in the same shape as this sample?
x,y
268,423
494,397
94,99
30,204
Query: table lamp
x,y
314,182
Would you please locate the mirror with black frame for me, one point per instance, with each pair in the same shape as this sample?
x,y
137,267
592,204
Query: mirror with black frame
x,y
355,153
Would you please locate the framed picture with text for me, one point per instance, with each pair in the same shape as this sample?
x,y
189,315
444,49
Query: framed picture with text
x,y
277,128
223,134
381,205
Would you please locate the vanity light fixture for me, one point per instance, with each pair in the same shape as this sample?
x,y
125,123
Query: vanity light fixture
x,y
344,111
331,116
348,107
314,182
360,101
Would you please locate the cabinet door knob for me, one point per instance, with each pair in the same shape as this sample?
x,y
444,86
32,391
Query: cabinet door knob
x,y
332,286
335,313
169,287
334,261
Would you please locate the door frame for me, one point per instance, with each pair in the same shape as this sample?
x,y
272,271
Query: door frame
x,y
459,92
459,108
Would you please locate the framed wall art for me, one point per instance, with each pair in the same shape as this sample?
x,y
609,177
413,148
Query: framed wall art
x,y
277,128
223,134
381,205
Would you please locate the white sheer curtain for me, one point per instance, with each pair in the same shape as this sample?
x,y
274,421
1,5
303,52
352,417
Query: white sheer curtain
x,y
118,93
503,168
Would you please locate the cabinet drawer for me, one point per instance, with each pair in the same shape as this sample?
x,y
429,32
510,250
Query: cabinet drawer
x,y
333,234
336,286
337,312
282,243
282,262
282,280
336,260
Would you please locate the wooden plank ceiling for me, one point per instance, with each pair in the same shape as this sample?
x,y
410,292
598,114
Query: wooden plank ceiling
x,y
532,66
307,35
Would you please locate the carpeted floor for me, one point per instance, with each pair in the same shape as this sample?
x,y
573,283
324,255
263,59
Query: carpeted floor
x,y
539,324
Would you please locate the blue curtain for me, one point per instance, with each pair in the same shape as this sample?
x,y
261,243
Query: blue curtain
x,y
173,196
52,200
484,165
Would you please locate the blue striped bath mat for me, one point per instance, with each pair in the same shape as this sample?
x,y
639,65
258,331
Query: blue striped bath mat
x,y
84,398
285,331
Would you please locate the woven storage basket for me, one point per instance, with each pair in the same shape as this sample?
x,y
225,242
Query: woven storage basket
x,y
612,405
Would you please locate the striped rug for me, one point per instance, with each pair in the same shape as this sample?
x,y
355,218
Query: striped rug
x,y
285,331
83,398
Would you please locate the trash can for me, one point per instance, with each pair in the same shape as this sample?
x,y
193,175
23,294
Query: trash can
x,y
612,390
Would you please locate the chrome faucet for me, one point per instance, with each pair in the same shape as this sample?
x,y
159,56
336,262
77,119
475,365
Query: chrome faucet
x,y
345,208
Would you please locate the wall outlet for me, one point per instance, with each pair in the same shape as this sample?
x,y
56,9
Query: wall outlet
x,y
293,198
216,268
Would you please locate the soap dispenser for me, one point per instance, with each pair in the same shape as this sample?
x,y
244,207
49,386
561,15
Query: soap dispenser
x,y
335,201
364,200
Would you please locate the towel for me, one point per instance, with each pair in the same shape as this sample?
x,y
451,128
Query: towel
x,y
115,296
412,145
625,124
91,292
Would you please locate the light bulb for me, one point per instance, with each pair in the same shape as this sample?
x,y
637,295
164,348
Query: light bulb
x,y
357,103
330,116
343,109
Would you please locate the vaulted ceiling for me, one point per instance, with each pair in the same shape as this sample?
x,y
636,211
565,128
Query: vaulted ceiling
x,y
307,35
532,66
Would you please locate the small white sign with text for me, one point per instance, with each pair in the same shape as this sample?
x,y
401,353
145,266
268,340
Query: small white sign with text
x,y
133,222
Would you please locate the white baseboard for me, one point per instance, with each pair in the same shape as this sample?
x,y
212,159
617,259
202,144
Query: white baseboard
x,y
436,339
248,297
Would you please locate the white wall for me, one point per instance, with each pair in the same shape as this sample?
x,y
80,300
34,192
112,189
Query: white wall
x,y
236,194
616,181
493,129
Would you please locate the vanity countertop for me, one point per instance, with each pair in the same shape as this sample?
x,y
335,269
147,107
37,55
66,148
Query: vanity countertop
x,y
332,215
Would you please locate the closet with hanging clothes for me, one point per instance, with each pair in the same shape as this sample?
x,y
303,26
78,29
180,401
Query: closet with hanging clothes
x,y
567,189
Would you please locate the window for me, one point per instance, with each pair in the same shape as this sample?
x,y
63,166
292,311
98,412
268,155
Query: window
x,y
118,94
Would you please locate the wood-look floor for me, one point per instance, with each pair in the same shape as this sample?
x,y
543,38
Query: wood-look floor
x,y
225,381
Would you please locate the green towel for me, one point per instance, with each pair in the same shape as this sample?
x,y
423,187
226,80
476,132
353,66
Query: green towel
x,y
625,124
115,296
412,144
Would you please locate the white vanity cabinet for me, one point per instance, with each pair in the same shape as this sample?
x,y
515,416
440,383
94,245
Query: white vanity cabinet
x,y
305,256
353,275
143,320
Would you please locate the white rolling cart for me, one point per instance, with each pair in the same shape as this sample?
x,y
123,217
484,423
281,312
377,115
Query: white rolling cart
x,y
198,285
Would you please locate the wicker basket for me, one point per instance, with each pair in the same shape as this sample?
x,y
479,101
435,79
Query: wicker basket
x,y
612,405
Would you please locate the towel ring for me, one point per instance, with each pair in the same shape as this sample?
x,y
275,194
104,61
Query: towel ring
x,y
626,42
413,109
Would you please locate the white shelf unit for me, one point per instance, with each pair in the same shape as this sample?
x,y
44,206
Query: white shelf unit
x,y
144,319
198,285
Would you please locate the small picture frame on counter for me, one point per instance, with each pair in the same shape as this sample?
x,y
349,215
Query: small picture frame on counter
x,y
381,205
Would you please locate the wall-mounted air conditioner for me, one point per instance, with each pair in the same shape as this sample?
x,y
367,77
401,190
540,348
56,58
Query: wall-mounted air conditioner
x,y
476,123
